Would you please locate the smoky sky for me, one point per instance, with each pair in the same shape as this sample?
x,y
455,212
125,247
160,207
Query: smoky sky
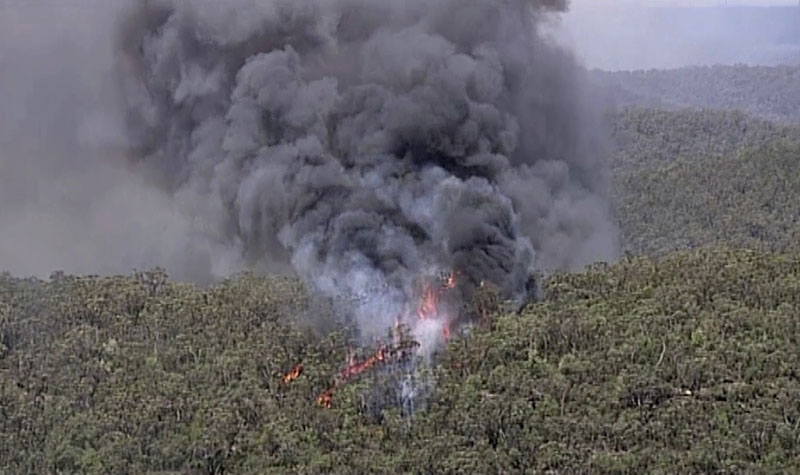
x,y
613,35
68,201
356,143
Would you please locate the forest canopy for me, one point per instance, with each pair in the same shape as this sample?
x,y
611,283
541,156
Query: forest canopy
x,y
682,365
768,92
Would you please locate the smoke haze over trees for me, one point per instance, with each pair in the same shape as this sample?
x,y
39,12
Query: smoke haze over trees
x,y
67,198
769,92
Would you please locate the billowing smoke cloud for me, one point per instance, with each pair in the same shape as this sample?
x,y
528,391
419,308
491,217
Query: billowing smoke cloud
x,y
366,142
358,143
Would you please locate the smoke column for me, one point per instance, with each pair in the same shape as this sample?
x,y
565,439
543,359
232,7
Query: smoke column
x,y
365,142
359,144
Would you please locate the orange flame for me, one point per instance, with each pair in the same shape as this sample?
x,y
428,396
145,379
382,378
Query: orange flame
x,y
293,374
355,368
428,308
429,305
325,398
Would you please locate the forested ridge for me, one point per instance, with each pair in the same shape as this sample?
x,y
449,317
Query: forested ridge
x,y
699,178
680,358
648,138
684,365
770,92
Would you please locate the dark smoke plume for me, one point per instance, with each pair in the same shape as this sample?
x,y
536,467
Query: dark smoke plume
x,y
365,142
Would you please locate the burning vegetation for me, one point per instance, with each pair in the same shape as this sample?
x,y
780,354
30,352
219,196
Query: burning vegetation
x,y
293,374
436,303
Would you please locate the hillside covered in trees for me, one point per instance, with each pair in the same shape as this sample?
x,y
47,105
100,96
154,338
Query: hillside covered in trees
x,y
768,92
699,178
649,138
684,365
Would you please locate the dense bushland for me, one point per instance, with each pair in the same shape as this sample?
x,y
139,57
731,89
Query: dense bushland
x,y
647,138
690,179
771,92
684,365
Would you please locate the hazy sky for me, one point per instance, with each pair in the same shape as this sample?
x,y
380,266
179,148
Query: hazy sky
x,y
620,34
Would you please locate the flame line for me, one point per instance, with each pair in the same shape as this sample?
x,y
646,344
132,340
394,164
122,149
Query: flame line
x,y
427,309
293,374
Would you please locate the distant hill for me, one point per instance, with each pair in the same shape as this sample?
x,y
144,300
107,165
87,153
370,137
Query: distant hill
x,y
652,138
690,179
768,92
